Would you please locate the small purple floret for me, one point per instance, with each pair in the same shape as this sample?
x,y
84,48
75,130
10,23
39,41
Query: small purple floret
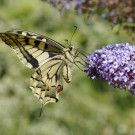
x,y
115,64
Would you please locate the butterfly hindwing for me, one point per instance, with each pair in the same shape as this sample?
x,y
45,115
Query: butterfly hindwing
x,y
31,48
46,82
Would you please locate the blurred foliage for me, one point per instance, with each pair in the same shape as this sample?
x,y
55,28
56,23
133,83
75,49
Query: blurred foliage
x,y
85,106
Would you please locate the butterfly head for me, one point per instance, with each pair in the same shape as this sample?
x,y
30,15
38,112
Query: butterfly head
x,y
71,49
69,53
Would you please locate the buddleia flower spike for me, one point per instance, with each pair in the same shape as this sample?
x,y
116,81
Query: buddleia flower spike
x,y
115,64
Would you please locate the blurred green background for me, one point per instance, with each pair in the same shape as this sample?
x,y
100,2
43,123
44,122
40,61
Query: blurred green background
x,y
86,107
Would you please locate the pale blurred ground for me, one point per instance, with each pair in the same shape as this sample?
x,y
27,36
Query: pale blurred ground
x,y
85,107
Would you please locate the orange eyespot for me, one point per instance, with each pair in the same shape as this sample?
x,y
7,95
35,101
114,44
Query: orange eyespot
x,y
45,84
59,89
48,87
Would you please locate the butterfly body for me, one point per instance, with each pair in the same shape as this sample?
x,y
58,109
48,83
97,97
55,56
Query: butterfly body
x,y
51,60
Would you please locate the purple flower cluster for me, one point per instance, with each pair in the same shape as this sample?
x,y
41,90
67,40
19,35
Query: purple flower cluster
x,y
67,4
115,64
119,11
115,11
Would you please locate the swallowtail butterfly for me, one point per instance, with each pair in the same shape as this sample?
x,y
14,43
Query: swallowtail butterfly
x,y
51,60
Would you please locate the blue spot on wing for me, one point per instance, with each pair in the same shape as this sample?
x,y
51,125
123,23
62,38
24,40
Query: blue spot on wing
x,y
59,87
39,71
41,82
53,87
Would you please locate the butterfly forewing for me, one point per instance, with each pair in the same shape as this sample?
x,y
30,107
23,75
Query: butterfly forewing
x,y
31,48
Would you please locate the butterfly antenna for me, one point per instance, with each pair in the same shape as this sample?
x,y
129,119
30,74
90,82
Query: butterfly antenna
x,y
78,66
73,34
66,40
41,110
